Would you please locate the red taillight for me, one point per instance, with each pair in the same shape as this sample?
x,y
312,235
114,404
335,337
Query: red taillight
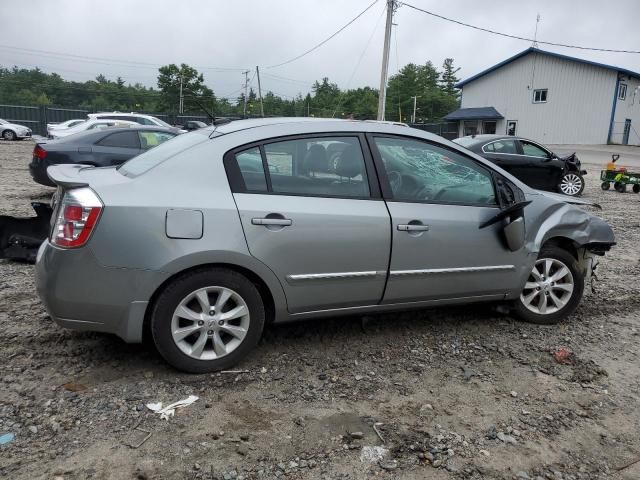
x,y
39,152
77,216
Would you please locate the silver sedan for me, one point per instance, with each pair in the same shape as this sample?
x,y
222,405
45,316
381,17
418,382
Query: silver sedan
x,y
204,240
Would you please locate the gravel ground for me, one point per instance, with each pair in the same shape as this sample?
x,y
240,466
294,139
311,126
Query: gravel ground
x,y
465,393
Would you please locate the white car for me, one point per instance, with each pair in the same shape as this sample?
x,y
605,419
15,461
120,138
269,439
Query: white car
x,y
140,118
61,126
91,125
13,131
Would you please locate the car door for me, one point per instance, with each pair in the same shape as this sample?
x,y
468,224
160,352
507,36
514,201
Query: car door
x,y
543,171
116,148
321,226
438,199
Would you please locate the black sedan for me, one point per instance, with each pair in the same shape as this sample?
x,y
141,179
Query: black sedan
x,y
100,148
530,162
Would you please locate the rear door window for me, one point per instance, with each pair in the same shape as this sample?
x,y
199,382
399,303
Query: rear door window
x,y
250,165
121,140
322,166
507,147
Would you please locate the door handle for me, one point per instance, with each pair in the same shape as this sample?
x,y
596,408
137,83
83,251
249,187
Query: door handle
x,y
413,228
283,222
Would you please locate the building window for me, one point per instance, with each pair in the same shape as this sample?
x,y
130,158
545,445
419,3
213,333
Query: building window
x,y
540,96
470,128
512,127
622,91
489,127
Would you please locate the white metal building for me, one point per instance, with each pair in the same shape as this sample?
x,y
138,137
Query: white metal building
x,y
552,98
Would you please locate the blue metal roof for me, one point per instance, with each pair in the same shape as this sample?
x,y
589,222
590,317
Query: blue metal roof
x,y
551,54
477,113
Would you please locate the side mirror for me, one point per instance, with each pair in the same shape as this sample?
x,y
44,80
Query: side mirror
x,y
514,234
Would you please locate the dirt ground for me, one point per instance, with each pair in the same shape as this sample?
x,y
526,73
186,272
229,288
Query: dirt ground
x,y
465,393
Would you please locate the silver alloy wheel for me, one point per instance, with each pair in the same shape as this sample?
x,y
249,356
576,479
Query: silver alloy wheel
x,y
571,184
210,323
548,288
9,135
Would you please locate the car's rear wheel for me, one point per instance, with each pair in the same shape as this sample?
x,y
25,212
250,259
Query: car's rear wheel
x,y
9,135
605,185
571,183
636,188
554,288
207,320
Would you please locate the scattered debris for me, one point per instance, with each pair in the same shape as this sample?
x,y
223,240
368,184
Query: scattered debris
x,y
7,438
170,410
563,355
139,443
20,237
375,429
74,387
373,454
235,371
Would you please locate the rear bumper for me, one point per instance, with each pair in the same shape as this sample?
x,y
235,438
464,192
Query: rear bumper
x,y
38,172
81,294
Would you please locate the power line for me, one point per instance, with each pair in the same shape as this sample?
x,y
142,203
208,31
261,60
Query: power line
x,y
494,32
355,69
101,60
327,39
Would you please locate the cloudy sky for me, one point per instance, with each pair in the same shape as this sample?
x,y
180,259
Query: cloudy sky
x,y
220,38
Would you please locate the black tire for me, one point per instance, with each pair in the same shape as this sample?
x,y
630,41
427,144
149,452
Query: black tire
x,y
9,135
179,289
555,253
636,188
577,180
620,187
605,185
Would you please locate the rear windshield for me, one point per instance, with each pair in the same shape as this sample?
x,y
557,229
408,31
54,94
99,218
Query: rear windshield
x,y
465,141
145,161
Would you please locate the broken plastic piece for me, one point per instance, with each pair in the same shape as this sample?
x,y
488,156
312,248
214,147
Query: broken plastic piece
x,y
170,410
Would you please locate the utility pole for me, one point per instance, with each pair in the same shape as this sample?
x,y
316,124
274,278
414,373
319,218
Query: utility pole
x,y
413,117
181,103
246,86
391,6
260,92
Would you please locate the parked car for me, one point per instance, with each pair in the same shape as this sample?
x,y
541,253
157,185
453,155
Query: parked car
x,y
91,125
193,125
60,126
204,240
140,118
13,131
534,164
97,147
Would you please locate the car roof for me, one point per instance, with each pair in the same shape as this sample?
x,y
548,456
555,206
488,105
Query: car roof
x,y
306,123
120,114
88,135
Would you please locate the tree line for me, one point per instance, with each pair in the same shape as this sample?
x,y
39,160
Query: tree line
x,y
433,88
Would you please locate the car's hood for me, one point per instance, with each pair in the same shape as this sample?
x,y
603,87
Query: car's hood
x,y
567,198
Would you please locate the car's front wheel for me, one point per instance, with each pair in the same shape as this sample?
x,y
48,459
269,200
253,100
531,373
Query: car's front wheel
x,y
554,288
9,135
207,320
571,183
